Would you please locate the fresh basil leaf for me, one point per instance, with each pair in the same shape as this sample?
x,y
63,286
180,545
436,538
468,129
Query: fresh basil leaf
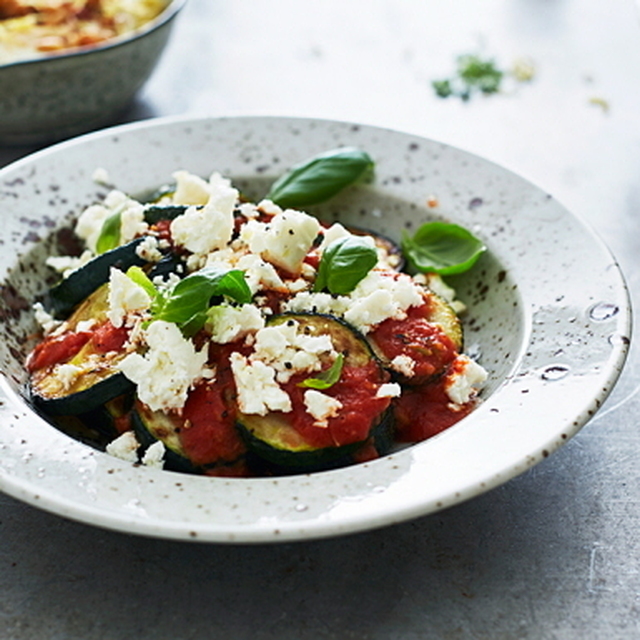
x,y
109,237
344,263
142,280
192,295
327,378
320,177
442,247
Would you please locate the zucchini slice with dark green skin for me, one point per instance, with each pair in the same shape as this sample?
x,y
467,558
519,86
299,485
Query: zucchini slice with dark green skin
x,y
419,347
296,442
154,213
81,283
93,355
202,438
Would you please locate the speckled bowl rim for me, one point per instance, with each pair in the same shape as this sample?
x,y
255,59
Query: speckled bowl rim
x,y
167,14
529,415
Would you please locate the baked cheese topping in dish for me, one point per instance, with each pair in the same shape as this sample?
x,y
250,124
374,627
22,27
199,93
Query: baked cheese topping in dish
x,y
37,28
203,333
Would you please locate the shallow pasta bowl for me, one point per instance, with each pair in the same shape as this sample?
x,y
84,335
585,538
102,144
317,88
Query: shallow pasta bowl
x,y
54,97
551,328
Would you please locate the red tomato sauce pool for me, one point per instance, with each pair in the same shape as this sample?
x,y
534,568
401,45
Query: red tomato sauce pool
x,y
356,391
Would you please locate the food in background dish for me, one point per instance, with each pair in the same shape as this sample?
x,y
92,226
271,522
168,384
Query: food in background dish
x,y
208,334
36,28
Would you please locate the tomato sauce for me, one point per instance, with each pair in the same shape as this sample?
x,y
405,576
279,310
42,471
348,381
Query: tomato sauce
x,y
356,390
428,346
108,338
423,412
54,350
209,434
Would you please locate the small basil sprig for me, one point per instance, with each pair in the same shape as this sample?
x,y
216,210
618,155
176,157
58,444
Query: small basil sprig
x,y
320,177
109,237
326,378
442,247
344,263
187,303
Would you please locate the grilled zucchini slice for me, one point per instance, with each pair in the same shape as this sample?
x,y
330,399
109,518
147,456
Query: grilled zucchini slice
x,y
295,442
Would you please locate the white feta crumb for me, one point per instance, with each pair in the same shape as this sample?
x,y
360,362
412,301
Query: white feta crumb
x,y
258,391
67,374
148,249
190,189
435,282
101,176
259,274
124,447
378,297
86,325
321,406
285,240
154,455
170,367
228,324
335,232
46,321
288,351
125,297
466,377
67,264
389,390
203,229
403,364
132,222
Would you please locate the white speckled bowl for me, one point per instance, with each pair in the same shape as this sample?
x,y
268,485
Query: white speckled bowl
x,y
548,311
48,99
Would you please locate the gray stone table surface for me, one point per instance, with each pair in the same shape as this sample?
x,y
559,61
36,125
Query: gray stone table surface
x,y
555,553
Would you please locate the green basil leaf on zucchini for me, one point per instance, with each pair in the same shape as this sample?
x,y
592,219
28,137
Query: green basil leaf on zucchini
x,y
320,177
109,237
191,297
442,247
327,378
344,263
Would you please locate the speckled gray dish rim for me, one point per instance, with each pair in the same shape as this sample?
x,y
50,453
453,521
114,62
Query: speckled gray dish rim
x,y
549,316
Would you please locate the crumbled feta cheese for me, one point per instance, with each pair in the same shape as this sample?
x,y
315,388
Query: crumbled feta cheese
x,y
285,240
154,455
335,232
403,364
124,447
203,229
287,351
321,406
89,225
67,374
169,368
259,274
465,378
66,264
86,325
132,222
125,297
190,189
46,321
378,297
389,390
258,391
148,249
435,282
101,176
228,324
